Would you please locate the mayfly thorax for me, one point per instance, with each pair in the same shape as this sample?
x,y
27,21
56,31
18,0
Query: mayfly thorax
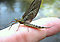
x,y
30,14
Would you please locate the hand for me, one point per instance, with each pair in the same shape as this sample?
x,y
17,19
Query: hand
x,y
28,34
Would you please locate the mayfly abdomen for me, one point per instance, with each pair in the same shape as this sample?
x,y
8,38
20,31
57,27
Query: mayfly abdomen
x,y
35,26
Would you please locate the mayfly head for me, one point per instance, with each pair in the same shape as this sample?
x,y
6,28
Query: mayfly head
x,y
16,19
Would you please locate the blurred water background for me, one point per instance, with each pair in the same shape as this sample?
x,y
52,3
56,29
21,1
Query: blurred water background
x,y
10,9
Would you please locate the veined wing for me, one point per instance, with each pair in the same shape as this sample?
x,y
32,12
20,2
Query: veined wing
x,y
31,13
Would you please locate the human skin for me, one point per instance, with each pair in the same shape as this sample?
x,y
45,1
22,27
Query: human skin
x,y
29,34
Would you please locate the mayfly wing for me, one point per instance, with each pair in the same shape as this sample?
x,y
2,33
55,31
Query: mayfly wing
x,y
31,13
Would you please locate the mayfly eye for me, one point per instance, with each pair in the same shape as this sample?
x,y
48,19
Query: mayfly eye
x,y
15,18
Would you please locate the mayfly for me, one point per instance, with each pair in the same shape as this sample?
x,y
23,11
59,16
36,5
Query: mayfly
x,y
30,14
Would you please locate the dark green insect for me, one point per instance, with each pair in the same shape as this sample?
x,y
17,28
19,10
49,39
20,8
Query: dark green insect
x,y
30,14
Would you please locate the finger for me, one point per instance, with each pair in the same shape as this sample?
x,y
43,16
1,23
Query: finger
x,y
54,29
55,23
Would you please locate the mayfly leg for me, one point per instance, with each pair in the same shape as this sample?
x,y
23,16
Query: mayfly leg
x,y
10,22
18,27
11,25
